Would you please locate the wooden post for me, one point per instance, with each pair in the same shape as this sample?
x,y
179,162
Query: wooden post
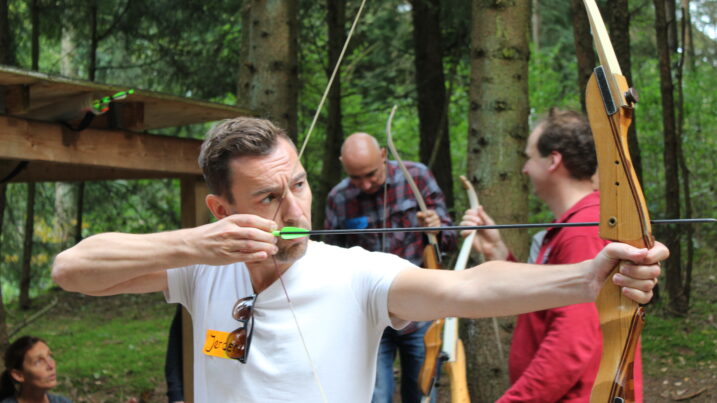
x,y
194,213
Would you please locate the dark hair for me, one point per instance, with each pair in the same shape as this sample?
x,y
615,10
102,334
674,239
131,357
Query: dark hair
x,y
568,132
14,358
235,138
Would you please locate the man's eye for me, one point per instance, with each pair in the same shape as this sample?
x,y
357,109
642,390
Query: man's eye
x,y
268,199
300,185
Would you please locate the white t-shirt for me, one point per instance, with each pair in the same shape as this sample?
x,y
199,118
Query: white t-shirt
x,y
340,297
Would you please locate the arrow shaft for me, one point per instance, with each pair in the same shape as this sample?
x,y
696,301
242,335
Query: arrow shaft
x,y
481,227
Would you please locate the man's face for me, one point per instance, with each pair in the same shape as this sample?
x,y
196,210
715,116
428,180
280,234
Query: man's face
x,y
366,171
536,166
38,368
274,186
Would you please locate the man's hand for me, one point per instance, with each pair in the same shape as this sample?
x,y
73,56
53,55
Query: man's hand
x,y
639,269
236,238
487,242
429,219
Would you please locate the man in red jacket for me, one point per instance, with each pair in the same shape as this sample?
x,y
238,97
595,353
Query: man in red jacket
x,y
555,353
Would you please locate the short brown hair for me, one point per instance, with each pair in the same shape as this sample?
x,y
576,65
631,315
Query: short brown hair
x,y
234,138
568,132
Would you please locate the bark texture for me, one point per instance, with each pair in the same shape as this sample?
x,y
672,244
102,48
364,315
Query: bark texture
x,y
435,148
583,46
619,28
268,75
498,128
26,275
678,300
331,167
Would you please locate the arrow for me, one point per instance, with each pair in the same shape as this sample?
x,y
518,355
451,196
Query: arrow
x,y
296,232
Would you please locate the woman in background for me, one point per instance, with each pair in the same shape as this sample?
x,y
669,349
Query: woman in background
x,y
29,373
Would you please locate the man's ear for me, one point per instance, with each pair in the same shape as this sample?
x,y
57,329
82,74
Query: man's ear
x,y
556,160
218,206
383,153
17,375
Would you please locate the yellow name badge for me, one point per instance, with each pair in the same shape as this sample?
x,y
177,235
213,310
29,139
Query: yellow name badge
x,y
216,344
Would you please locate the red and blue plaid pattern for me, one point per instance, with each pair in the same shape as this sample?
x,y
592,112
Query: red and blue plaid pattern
x,y
347,207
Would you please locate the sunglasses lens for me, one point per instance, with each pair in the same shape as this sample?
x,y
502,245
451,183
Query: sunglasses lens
x,y
238,340
242,309
236,344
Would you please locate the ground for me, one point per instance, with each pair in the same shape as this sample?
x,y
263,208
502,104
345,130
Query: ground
x,y
101,331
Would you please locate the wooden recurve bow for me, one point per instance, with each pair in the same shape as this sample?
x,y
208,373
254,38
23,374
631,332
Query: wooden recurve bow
x,y
431,260
432,255
449,348
623,214
452,352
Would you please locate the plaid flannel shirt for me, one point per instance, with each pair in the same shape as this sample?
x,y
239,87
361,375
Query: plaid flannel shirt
x,y
347,207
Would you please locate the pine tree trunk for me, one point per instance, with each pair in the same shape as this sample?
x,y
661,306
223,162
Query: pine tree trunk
x,y
583,47
675,288
91,69
687,41
7,48
3,315
498,128
331,167
619,26
65,211
26,274
687,230
435,149
268,75
80,207
7,56
671,21
536,25
35,50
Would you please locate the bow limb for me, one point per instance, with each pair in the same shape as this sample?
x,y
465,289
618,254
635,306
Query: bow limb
x,y
452,344
431,258
448,347
623,214
464,254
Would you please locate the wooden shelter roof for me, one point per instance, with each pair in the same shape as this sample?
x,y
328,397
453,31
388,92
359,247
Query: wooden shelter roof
x,y
40,115
160,110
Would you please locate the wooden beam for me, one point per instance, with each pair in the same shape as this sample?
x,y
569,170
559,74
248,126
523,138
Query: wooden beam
x,y
22,139
16,98
40,171
194,213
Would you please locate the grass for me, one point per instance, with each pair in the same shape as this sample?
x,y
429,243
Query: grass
x,y
107,349
111,348
680,354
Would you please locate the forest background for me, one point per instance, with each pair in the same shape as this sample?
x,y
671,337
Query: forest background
x,y
411,54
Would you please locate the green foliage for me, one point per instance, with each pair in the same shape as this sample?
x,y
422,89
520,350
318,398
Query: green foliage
x,y
552,83
691,342
128,206
193,49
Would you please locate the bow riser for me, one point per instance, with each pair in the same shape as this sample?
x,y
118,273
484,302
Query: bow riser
x,y
623,210
623,218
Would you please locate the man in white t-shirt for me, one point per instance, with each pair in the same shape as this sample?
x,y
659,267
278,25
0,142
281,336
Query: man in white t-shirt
x,y
309,316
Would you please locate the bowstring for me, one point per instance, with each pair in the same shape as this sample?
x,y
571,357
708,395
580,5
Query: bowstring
x,y
288,184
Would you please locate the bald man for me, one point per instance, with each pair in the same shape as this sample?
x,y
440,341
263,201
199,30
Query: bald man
x,y
362,201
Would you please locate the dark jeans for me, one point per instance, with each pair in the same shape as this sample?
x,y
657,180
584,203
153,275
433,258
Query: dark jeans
x,y
411,353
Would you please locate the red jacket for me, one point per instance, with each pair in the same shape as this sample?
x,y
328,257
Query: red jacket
x,y
555,353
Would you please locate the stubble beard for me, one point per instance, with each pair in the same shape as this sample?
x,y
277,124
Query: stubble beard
x,y
291,252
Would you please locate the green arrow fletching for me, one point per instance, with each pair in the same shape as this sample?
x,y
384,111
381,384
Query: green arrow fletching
x,y
295,232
